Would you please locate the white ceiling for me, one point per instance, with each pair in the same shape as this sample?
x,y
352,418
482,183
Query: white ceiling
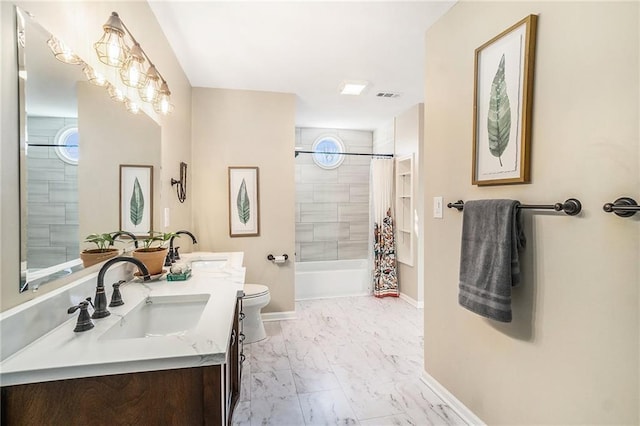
x,y
307,48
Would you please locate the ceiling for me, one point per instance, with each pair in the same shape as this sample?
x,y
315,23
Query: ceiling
x,y
307,48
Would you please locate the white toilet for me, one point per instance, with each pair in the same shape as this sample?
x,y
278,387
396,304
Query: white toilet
x,y
255,298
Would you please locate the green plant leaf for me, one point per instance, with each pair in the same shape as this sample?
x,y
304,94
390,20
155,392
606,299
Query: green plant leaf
x,y
136,205
244,208
499,116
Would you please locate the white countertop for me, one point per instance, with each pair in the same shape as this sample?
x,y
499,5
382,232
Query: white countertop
x,y
65,354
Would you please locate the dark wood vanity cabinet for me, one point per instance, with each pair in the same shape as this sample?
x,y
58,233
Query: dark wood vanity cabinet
x,y
189,396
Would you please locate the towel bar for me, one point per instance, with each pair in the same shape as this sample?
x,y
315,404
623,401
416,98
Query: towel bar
x,y
571,207
623,207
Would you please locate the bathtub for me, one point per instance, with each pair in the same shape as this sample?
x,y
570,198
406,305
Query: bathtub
x,y
334,278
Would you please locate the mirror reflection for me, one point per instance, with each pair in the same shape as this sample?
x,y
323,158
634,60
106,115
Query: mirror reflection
x,y
73,139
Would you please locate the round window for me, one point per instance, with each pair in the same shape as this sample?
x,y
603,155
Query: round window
x,y
67,144
327,152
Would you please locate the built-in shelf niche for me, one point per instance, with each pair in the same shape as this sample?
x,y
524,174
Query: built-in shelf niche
x,y
404,209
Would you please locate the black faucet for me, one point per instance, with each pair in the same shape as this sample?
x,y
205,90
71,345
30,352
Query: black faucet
x,y
127,233
101,298
173,255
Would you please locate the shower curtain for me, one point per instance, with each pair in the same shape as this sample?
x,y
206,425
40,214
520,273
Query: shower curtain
x,y
385,277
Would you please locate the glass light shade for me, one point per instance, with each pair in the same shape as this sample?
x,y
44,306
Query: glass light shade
x,y
111,48
115,93
132,106
132,72
163,104
93,76
151,89
62,52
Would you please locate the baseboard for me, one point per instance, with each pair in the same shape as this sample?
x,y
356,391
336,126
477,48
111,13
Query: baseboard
x,y
460,409
278,316
413,302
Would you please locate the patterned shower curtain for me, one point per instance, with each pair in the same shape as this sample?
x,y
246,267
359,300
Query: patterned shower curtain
x,y
385,277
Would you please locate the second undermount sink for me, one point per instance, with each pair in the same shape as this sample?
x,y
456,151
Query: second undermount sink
x,y
160,316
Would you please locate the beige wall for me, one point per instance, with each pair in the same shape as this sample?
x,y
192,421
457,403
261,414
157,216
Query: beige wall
x,y
111,136
79,25
246,128
408,141
571,354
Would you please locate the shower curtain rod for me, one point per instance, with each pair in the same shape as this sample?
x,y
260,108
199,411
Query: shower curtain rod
x,y
343,153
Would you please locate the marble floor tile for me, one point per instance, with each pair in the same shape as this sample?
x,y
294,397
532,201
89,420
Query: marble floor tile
x,y
276,411
307,356
327,408
269,355
370,400
348,361
272,384
315,380
397,420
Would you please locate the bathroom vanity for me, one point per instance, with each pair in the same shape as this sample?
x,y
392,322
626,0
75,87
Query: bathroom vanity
x,y
172,354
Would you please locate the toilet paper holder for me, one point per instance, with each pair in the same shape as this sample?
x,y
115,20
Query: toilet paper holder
x,y
278,259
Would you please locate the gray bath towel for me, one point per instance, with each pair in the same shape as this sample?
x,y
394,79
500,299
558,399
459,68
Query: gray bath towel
x,y
492,236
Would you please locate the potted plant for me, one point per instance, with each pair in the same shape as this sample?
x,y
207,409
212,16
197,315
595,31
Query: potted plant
x,y
103,250
153,256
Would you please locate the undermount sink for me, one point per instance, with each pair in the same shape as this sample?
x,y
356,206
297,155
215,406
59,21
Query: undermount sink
x,y
209,264
160,316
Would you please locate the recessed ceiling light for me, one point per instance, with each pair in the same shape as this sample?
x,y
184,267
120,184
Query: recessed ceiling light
x,y
353,87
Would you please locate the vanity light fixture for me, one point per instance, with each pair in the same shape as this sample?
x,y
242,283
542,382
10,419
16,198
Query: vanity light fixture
x,y
113,50
62,52
94,77
132,106
115,93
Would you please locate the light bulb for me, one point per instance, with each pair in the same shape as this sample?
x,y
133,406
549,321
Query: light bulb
x,y
113,52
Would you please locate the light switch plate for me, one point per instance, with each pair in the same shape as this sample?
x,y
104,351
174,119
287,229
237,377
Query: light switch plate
x,y
437,207
167,217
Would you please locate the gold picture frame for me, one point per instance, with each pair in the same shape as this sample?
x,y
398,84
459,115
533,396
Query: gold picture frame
x,y
502,106
244,202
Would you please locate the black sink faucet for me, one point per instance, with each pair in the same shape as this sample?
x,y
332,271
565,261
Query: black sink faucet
x,y
173,255
127,233
101,298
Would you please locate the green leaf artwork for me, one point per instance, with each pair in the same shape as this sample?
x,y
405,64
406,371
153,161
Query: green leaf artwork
x,y
242,201
136,205
499,116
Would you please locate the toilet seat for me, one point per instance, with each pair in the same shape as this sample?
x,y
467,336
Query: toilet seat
x,y
252,291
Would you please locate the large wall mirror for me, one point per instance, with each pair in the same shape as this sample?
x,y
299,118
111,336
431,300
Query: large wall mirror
x,y
73,138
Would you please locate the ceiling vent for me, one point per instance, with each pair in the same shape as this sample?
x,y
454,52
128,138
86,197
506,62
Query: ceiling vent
x,y
387,95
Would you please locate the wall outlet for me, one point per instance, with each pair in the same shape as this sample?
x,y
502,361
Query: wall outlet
x,y
437,207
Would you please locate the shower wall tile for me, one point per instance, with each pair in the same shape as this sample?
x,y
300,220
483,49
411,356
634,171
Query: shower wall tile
x,y
64,235
353,174
314,174
359,193
41,257
359,231
63,192
318,212
46,214
318,251
71,213
38,236
353,212
52,188
304,193
331,232
38,192
353,249
304,232
332,206
46,169
37,151
330,193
